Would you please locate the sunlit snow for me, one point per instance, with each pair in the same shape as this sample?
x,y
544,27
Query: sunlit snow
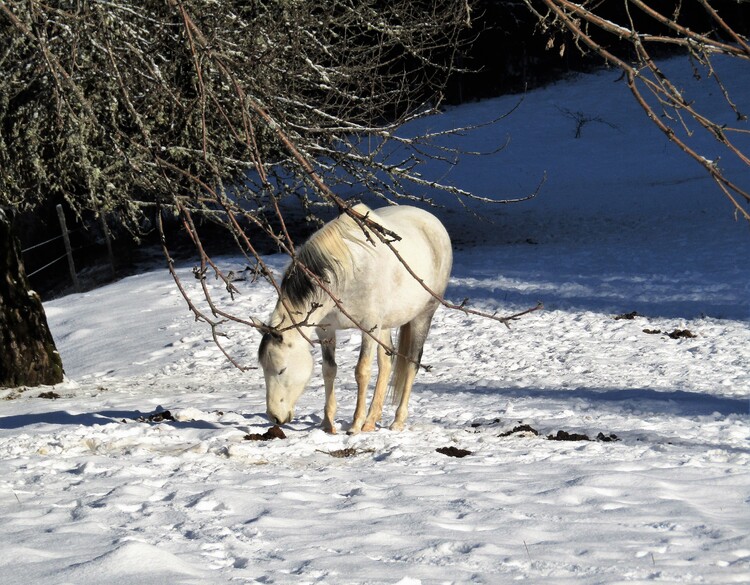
x,y
625,222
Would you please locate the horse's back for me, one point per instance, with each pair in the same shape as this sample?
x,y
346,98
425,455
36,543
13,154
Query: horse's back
x,y
423,237
383,290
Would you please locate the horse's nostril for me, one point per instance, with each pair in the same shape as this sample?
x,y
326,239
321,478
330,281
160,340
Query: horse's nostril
x,y
274,419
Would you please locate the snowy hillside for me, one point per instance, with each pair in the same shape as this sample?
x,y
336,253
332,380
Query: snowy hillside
x,y
96,489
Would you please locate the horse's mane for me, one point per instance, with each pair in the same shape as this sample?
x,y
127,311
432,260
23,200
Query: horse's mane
x,y
325,255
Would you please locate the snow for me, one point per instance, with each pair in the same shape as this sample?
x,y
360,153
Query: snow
x,y
91,494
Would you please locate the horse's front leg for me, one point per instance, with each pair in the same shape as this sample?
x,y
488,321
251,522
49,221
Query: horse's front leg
x,y
328,345
362,374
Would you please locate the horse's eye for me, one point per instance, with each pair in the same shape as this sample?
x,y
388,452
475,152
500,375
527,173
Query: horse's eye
x,y
282,371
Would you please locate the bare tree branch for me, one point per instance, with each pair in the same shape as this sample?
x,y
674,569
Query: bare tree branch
x,y
225,112
666,105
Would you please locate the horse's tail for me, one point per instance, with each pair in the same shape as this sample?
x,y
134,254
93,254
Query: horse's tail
x,y
403,362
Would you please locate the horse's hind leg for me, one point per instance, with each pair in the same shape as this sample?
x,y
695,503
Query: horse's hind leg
x,y
385,364
408,364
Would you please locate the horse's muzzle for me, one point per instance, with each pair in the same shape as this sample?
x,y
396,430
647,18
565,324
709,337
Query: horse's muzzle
x,y
279,419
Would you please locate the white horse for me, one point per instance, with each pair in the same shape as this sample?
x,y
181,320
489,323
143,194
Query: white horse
x,y
351,279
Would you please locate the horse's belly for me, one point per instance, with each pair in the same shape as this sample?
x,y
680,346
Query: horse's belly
x,y
373,306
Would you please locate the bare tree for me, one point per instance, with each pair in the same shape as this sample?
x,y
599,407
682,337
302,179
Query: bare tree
x,y
629,35
131,101
28,357
219,111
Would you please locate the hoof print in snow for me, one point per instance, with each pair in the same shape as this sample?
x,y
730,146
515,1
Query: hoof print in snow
x,y
157,417
520,429
49,395
627,316
274,432
453,451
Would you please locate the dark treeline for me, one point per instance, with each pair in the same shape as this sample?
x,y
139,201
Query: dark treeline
x,y
506,51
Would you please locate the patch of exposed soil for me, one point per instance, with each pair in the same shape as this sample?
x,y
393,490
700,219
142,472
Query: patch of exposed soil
x,y
682,334
628,316
566,436
520,429
274,432
676,334
478,424
156,417
348,452
49,395
453,451
528,430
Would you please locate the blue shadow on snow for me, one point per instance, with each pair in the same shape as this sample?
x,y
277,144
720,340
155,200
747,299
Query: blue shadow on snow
x,y
61,417
677,402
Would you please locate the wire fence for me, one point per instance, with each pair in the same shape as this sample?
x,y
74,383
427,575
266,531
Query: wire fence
x,y
65,237
38,270
40,244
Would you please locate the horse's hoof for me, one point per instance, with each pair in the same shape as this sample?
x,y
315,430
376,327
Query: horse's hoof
x,y
355,429
331,430
368,427
397,426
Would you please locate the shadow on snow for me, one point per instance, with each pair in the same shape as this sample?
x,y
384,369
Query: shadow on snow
x,y
62,417
674,402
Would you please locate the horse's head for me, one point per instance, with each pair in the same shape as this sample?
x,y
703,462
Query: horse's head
x,y
287,366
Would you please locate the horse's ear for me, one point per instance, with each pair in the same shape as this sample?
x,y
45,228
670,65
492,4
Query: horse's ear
x,y
267,330
270,335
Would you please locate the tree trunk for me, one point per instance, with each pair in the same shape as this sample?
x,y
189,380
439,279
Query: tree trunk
x,y
28,356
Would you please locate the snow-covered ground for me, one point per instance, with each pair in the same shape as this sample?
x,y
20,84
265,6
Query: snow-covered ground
x,y
89,494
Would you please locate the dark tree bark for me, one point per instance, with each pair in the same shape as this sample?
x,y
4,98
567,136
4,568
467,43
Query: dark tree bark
x,y
28,356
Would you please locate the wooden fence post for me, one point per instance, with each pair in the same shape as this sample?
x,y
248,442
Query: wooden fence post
x,y
108,239
68,249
